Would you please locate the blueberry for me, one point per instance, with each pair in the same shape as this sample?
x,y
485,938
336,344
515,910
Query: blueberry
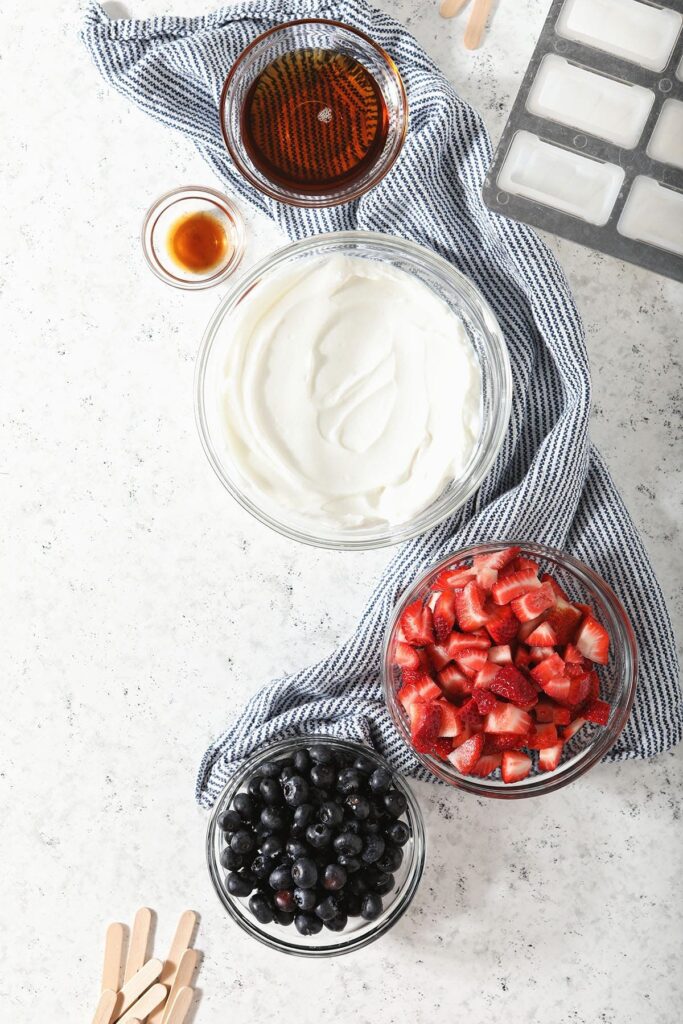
x,y
357,885
338,923
350,864
254,787
261,867
358,805
352,904
288,772
229,821
328,908
284,900
302,761
319,835
304,873
242,841
330,813
261,908
274,818
353,825
231,860
296,848
371,907
322,754
395,803
271,769
296,791
303,815
317,796
364,765
348,843
305,899
272,846
391,859
371,828
373,849
308,924
239,885
380,780
383,883
349,781
271,792
246,806
323,775
398,832
334,877
282,917
280,878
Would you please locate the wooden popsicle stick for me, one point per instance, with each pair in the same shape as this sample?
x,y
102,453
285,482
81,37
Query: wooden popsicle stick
x,y
183,978
113,956
474,33
105,1007
147,1002
181,941
139,941
180,1006
449,8
138,984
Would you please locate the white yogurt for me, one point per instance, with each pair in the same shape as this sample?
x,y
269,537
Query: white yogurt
x,y
350,392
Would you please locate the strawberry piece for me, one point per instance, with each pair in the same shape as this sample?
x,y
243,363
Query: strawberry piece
x,y
525,629
453,683
548,712
469,604
537,654
500,655
439,656
531,605
486,577
522,658
548,669
571,730
407,695
572,655
580,689
564,619
425,723
557,589
515,585
458,642
512,685
543,736
444,615
406,657
441,748
427,688
417,624
524,564
597,711
486,675
469,714
451,723
515,766
593,641
559,688
455,578
508,718
498,741
502,625
543,636
594,680
550,757
471,661
496,560
487,763
484,700
465,757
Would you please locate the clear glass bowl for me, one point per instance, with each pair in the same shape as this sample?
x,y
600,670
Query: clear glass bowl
x,y
358,932
310,33
484,334
618,678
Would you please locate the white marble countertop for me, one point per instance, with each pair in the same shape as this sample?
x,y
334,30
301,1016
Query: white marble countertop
x,y
141,606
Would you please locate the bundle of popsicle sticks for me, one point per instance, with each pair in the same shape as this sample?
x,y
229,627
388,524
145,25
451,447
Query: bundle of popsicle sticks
x,y
136,989
474,32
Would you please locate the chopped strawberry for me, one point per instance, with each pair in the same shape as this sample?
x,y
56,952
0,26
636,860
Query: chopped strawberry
x,y
427,688
597,711
543,636
407,695
486,577
557,589
469,604
406,657
543,736
508,718
439,656
486,675
465,757
532,604
548,669
486,764
524,564
593,641
417,625
516,766
537,654
444,615
564,618
453,683
458,642
496,560
550,757
441,747
484,700
515,585
559,688
512,685
502,625
500,655
471,660
425,723
469,714
548,712
455,578
499,741
572,655
464,736
451,723
525,629
571,730
594,680
522,658
580,688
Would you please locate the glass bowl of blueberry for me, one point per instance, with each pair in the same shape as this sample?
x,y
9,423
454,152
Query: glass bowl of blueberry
x,y
316,847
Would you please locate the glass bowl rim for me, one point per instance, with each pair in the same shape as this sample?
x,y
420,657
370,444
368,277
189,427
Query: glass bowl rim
x,y
397,909
542,783
281,194
496,351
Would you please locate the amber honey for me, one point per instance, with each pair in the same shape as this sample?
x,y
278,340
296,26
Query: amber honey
x,y
313,120
198,242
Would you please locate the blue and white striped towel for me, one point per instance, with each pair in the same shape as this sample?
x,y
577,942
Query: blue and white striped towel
x,y
548,483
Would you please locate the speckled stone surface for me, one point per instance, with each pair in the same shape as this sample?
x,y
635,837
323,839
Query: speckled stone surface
x,y
140,607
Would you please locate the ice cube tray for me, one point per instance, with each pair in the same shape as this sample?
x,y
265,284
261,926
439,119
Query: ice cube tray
x,y
593,148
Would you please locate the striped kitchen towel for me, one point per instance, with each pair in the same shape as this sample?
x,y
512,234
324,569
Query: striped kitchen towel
x,y
548,483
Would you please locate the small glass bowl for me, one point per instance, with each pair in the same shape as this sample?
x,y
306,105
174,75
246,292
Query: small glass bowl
x,y
165,212
484,334
618,678
313,33
358,933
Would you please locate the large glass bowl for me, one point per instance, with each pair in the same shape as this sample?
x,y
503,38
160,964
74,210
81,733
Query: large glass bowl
x,y
617,679
358,932
485,336
312,33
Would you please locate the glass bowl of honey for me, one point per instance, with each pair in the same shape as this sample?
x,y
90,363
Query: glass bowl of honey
x,y
193,237
314,113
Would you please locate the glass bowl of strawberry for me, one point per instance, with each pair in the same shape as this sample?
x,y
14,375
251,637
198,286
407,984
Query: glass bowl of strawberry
x,y
510,669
